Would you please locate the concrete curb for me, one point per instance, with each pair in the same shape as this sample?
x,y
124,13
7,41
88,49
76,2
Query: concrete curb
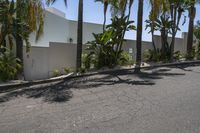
x,y
190,63
15,86
9,87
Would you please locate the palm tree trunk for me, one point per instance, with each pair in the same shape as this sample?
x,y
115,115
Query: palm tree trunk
x,y
79,35
139,35
174,17
123,34
190,30
104,22
153,42
19,47
105,11
164,43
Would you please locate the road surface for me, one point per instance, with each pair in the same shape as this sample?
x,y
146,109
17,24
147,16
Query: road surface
x,y
163,100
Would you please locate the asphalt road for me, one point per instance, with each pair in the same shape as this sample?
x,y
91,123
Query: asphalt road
x,y
164,100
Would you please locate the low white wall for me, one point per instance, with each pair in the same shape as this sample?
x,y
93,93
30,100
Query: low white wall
x,y
40,62
36,63
47,54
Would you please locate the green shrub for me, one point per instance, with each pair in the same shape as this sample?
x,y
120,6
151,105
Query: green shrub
x,y
197,35
67,70
157,56
82,70
125,59
197,52
192,55
87,61
178,55
9,66
56,73
152,55
148,55
106,48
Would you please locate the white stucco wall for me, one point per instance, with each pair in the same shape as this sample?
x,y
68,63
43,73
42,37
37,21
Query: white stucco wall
x,y
88,29
56,29
40,62
59,29
54,50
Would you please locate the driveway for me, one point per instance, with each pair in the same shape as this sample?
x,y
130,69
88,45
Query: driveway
x,y
163,100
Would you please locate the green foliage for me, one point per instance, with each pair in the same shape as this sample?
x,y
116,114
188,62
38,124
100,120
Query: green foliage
x,y
178,55
197,52
152,55
101,50
197,35
9,65
157,56
20,18
125,59
87,61
106,49
197,30
165,17
82,70
67,70
192,55
56,73
163,24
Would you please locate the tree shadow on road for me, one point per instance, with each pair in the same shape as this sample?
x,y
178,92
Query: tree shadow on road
x,y
188,68
121,77
62,91
55,93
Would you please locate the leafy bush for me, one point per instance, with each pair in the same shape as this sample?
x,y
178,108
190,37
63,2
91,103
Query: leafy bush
x,y
9,66
197,52
192,55
152,55
157,56
106,48
197,35
82,70
178,55
56,73
67,70
125,59
87,61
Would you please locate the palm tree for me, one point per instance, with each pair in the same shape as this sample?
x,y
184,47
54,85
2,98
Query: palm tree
x,y
53,1
31,13
139,35
156,7
118,8
21,18
105,2
176,9
79,36
192,14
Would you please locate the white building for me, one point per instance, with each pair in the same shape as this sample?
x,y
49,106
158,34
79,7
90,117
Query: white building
x,y
57,47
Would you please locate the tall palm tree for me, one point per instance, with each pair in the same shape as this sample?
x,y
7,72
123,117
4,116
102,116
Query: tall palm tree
x,y
53,1
31,13
118,7
156,7
192,14
79,36
176,9
105,2
25,17
139,35
79,31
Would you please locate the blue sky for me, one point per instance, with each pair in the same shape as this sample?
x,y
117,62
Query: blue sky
x,y
93,12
